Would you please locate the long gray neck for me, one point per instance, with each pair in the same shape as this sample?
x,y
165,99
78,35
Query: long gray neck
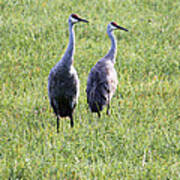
x,y
67,59
112,52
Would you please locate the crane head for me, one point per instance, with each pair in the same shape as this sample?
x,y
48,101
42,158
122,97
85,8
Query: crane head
x,y
74,18
113,26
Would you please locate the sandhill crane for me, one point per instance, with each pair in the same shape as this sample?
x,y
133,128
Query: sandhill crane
x,y
63,83
102,79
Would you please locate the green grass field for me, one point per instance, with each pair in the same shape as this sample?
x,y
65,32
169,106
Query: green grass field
x,y
141,138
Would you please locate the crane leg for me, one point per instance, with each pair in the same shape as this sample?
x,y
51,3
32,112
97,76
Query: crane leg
x,y
57,124
108,109
108,106
99,114
71,121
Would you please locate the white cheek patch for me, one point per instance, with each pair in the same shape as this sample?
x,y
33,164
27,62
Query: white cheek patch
x,y
74,20
112,27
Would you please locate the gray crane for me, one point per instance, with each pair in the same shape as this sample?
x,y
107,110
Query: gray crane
x,y
63,82
102,80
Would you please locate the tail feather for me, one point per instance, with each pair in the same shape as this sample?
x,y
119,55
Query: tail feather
x,y
96,100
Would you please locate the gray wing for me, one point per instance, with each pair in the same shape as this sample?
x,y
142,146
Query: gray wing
x,y
97,88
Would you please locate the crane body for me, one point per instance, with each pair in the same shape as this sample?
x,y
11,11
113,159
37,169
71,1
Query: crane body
x,y
102,80
63,82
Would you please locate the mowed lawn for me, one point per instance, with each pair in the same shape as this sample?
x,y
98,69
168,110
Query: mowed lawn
x,y
141,137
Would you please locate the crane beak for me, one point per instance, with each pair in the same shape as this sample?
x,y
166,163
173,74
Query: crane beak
x,y
83,20
119,27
